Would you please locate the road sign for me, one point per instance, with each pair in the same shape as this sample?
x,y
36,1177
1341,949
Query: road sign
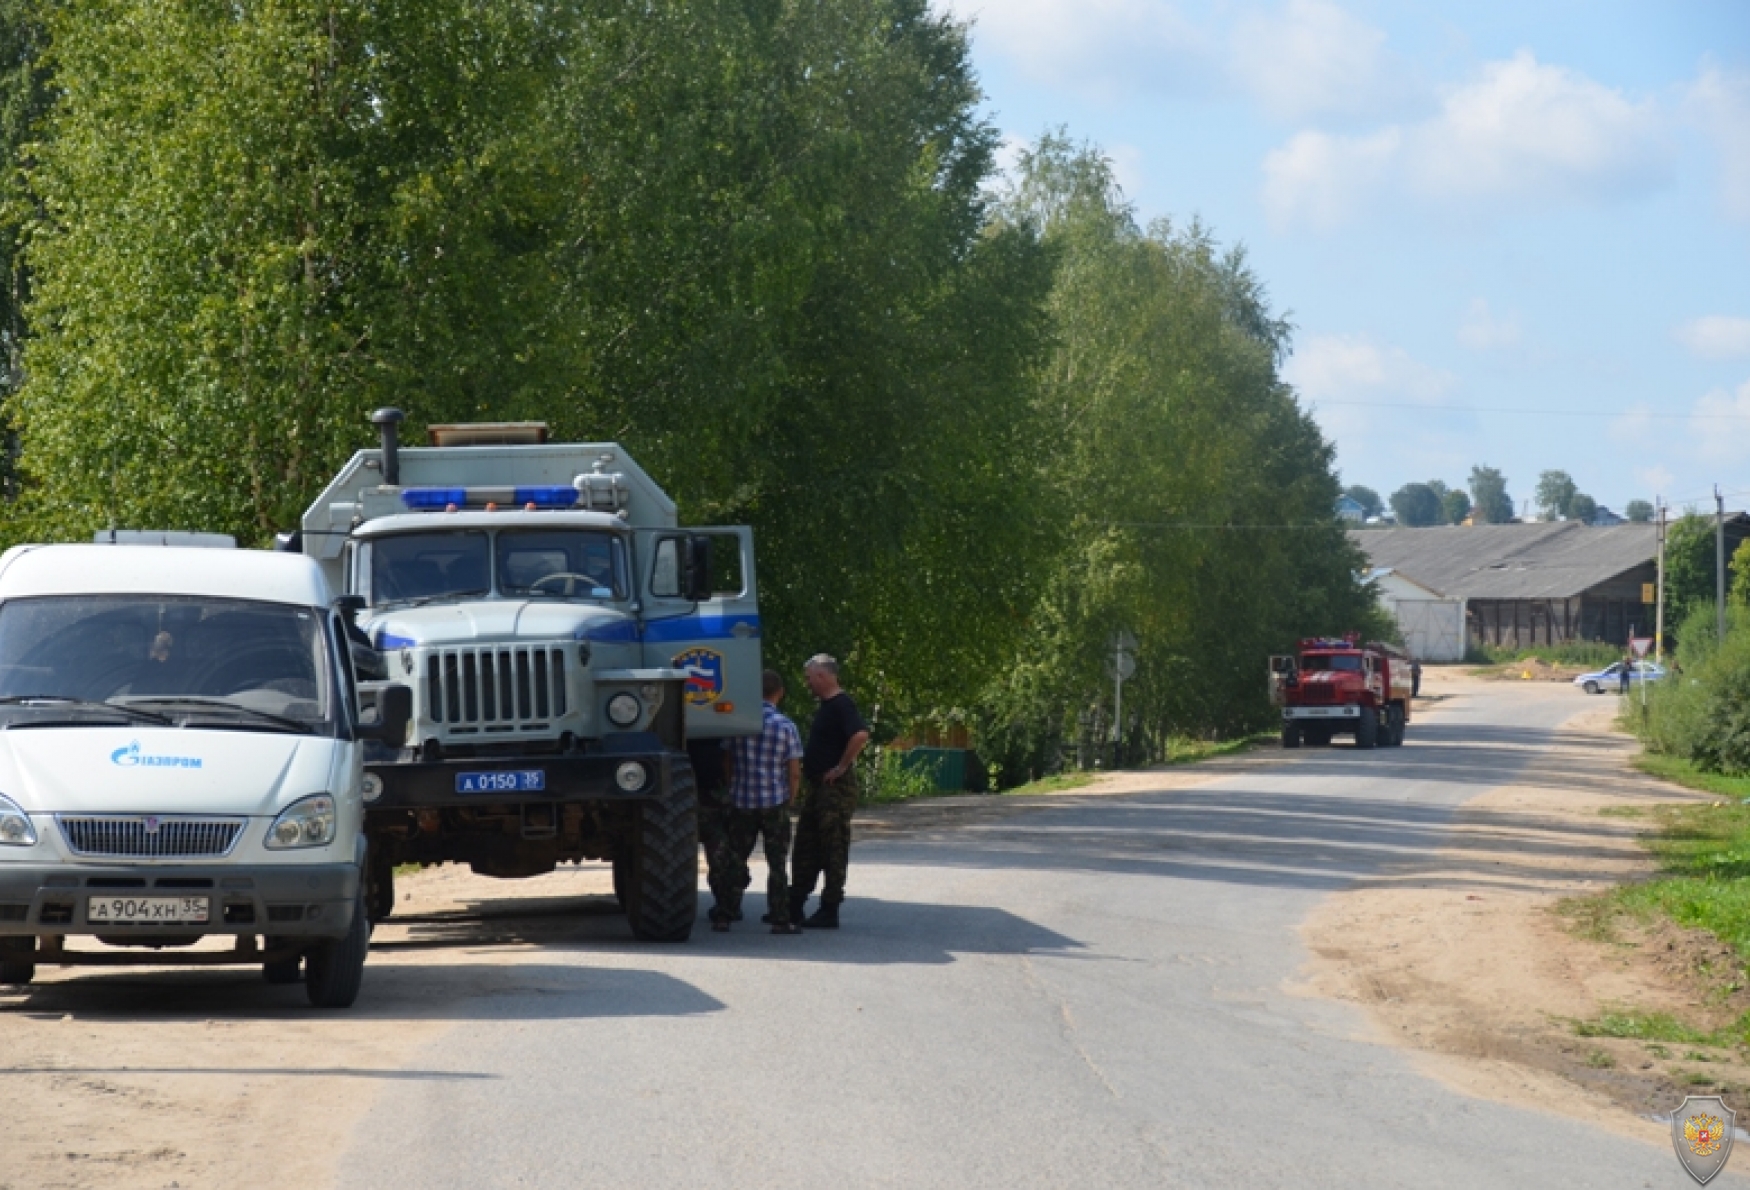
x,y
1122,666
1123,640
1641,645
1649,593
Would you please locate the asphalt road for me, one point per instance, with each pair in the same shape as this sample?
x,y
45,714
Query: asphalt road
x,y
1086,995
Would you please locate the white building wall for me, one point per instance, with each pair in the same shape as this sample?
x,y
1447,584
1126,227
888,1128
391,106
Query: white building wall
x,y
1432,626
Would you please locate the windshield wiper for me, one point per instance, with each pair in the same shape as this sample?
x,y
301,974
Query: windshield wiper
x,y
422,600
62,702
220,704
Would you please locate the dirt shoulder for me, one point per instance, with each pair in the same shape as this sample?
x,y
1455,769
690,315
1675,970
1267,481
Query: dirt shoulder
x,y
1464,959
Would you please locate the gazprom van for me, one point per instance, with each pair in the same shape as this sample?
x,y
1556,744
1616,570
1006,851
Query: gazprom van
x,y
181,757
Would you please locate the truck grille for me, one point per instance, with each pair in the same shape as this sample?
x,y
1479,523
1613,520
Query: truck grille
x,y
144,836
496,690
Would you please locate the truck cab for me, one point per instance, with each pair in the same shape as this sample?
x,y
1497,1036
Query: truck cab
x,y
181,757
563,637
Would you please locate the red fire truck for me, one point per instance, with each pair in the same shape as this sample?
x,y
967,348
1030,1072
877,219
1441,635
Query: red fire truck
x,y
1342,687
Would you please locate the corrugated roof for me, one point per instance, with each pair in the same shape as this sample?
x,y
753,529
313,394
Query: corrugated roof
x,y
1556,560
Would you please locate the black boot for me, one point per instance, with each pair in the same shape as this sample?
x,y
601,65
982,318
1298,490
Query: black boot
x,y
825,918
797,901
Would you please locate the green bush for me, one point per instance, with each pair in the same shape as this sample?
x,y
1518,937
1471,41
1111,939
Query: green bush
x,y
1701,712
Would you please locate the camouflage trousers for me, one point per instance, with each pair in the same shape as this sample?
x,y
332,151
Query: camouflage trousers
x,y
823,837
714,811
744,827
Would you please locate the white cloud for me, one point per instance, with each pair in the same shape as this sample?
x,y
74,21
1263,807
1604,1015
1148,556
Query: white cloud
x,y
1481,330
1309,58
1522,132
1722,102
1718,423
1654,480
1718,336
1353,367
1106,48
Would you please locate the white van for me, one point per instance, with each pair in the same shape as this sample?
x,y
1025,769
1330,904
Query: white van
x,y
181,756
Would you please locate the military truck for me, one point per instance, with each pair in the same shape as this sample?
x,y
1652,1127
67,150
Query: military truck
x,y
563,638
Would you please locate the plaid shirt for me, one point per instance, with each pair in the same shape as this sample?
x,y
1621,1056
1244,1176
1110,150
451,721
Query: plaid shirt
x,y
762,762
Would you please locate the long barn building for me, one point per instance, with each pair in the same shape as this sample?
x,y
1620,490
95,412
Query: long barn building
x,y
1535,584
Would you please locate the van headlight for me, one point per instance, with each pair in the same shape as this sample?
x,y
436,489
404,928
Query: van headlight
x,y
308,823
624,709
15,827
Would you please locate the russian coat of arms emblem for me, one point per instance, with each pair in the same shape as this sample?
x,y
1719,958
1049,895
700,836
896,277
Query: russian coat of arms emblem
x,y
1701,1132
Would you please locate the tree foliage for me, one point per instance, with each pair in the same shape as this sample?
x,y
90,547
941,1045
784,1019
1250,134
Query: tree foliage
x,y
1417,505
1638,511
1371,505
1455,505
1490,503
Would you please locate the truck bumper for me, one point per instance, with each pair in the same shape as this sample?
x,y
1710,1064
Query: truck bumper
x,y
591,778
278,900
1302,714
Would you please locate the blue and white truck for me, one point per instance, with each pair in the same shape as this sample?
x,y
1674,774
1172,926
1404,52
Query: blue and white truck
x,y
563,637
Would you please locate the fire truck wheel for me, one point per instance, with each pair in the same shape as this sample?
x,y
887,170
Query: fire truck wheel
x,y
1367,729
16,961
1291,735
662,889
1397,727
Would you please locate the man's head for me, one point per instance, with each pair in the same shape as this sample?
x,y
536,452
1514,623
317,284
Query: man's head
x,y
772,687
821,673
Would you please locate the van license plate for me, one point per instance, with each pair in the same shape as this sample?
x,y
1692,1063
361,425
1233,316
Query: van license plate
x,y
510,781
149,910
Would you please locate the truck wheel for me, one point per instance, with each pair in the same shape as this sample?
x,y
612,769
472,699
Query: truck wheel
x,y
380,889
16,967
1291,735
335,968
1367,729
1397,727
662,889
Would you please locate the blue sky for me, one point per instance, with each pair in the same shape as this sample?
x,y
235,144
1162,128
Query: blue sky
x,y
1508,233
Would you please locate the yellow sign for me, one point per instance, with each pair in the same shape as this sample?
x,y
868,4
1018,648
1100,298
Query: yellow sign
x,y
1649,593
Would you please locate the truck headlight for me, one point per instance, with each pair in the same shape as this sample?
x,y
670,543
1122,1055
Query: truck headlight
x,y
15,827
309,823
624,709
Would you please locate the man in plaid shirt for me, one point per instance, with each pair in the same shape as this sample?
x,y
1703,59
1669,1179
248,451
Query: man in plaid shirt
x,y
766,770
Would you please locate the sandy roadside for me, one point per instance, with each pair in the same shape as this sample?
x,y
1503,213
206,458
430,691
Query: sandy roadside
x,y
1462,959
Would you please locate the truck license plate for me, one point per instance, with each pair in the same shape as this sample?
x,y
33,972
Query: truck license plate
x,y
149,910
510,781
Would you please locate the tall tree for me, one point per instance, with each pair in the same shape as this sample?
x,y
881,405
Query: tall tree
x,y
1582,508
1555,494
1638,511
1490,502
1417,505
1455,506
1690,566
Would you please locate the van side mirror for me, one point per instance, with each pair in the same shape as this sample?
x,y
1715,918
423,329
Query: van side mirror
x,y
696,585
394,712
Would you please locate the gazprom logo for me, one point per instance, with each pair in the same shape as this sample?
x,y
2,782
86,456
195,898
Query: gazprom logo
x,y
131,757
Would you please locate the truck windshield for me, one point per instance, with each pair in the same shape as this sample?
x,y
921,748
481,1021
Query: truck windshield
x,y
184,657
1344,661
565,563
427,566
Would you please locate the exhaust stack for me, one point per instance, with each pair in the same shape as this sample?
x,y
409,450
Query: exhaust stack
x,y
388,423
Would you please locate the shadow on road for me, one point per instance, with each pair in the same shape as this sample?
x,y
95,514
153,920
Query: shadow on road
x,y
426,990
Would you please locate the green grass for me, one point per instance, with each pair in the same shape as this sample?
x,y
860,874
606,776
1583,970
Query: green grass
x,y
1643,1026
1179,751
1055,783
1684,773
1591,654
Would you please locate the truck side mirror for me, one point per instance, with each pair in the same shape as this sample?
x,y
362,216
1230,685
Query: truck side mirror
x,y
349,605
394,712
697,582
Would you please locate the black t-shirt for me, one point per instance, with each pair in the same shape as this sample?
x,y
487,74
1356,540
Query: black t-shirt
x,y
835,722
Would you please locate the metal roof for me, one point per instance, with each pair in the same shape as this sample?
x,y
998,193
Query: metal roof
x,y
1552,560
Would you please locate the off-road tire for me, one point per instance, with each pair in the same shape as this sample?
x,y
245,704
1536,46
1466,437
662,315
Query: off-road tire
x,y
1291,735
379,890
661,891
16,967
1591,687
334,969
1367,729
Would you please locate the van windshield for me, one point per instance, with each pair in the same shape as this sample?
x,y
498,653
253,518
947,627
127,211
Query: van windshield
x,y
184,657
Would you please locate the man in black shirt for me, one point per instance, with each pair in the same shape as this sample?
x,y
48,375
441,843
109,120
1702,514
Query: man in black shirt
x,y
829,797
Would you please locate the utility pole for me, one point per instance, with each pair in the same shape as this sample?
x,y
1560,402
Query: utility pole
x,y
1720,561
1659,613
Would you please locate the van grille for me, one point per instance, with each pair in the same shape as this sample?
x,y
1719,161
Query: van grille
x,y
145,836
496,690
